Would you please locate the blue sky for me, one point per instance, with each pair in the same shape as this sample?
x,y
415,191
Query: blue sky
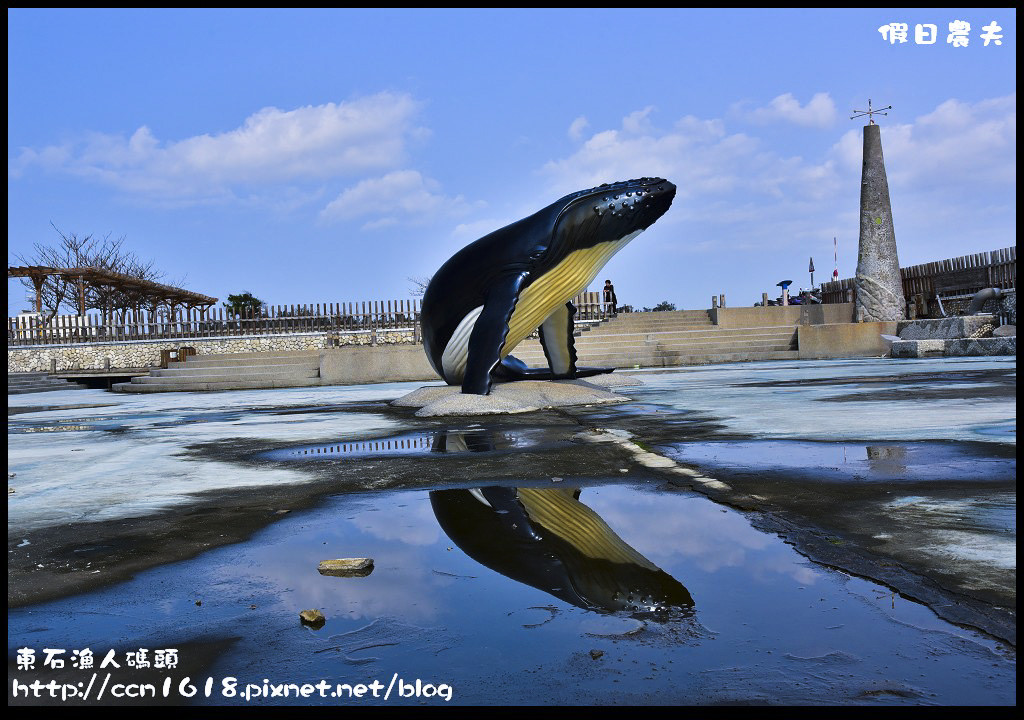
x,y
314,156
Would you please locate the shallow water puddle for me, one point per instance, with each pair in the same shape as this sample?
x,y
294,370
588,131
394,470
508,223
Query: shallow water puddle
x,y
476,440
522,596
846,461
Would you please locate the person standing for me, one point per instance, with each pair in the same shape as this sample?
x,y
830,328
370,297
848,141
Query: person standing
x,y
610,301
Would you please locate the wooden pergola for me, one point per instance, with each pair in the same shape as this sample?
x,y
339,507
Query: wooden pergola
x,y
146,291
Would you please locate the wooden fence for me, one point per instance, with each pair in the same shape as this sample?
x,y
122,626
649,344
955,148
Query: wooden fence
x,y
966,274
216,322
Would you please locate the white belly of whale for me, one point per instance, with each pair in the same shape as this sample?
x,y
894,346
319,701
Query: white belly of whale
x,y
456,352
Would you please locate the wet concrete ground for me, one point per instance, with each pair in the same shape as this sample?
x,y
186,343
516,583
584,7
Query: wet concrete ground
x,y
197,522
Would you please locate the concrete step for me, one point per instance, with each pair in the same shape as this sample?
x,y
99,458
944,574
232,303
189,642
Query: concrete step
x,y
687,335
209,361
619,334
257,354
716,358
536,360
232,371
185,371
630,360
21,383
662,317
650,325
665,339
222,374
23,389
36,381
628,356
595,344
270,382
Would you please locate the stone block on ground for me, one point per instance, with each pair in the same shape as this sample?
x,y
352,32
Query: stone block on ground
x,y
917,348
981,347
507,398
960,347
346,567
943,328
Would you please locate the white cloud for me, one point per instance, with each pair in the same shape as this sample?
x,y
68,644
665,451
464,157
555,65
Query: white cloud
x,y
577,127
638,122
400,196
952,167
271,146
958,143
728,177
699,156
819,112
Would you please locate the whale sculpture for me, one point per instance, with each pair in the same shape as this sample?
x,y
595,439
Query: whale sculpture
x,y
494,292
547,538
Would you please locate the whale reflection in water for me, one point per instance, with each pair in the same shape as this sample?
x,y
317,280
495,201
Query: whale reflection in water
x,y
547,538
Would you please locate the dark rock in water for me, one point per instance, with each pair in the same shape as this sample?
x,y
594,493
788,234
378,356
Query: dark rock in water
x,y
313,618
347,567
597,654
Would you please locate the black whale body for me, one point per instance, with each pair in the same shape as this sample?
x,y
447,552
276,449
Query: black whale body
x,y
591,567
491,294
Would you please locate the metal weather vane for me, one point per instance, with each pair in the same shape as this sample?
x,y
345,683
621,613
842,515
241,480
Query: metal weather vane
x,y
870,112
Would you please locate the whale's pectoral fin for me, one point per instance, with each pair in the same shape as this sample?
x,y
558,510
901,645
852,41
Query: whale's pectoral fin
x,y
558,343
556,337
489,333
510,511
512,368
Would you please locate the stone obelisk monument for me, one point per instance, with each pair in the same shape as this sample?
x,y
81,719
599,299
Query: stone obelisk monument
x,y
878,283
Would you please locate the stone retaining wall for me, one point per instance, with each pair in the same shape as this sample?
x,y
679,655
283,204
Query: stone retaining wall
x,y
960,347
146,353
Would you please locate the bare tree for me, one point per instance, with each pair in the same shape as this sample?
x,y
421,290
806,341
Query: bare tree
x,y
90,251
419,285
